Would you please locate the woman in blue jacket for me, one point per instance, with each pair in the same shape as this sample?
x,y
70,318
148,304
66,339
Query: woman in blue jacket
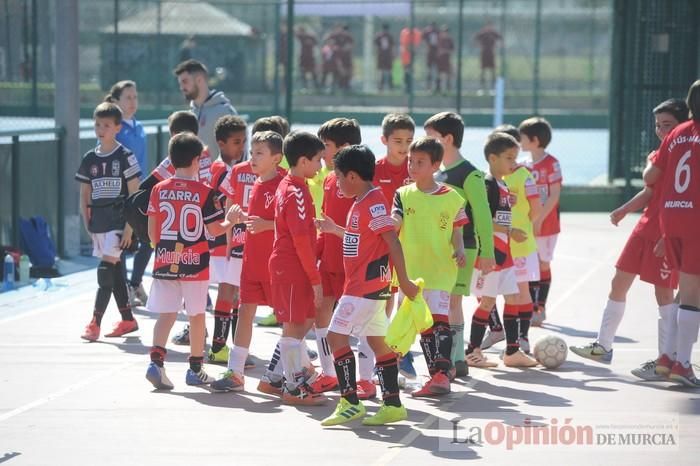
x,y
133,137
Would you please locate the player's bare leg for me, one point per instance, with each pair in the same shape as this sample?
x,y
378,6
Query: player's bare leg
x,y
688,326
542,294
292,351
156,370
196,374
457,327
233,379
326,380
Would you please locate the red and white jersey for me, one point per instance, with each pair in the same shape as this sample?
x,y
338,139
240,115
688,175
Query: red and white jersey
x,y
181,208
336,206
237,186
365,253
165,169
679,161
219,170
648,224
294,223
390,177
259,246
547,173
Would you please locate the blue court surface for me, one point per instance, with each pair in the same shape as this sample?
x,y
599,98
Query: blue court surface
x,y
64,401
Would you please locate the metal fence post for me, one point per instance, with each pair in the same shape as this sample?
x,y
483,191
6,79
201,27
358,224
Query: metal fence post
x,y
536,67
276,83
60,215
460,46
15,190
412,52
35,45
159,143
289,77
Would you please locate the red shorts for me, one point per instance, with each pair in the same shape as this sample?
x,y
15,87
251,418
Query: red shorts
x,y
293,302
255,292
684,254
638,258
332,284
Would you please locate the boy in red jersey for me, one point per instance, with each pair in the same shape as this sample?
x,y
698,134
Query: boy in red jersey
x,y
679,161
638,258
501,150
179,211
390,174
294,278
369,240
535,136
266,153
230,133
335,134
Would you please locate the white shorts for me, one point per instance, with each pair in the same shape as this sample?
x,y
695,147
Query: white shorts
x,y
527,269
498,283
438,301
222,270
168,296
107,244
360,317
545,247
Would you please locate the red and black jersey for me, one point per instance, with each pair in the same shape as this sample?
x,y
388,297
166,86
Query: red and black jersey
x,y
219,170
365,253
500,204
181,208
165,169
237,186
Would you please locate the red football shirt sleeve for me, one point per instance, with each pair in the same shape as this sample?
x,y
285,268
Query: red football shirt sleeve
x,y
461,218
555,176
380,221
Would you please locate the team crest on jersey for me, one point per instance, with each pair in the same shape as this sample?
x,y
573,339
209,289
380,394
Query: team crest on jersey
x,y
410,211
444,221
355,221
377,210
115,167
132,160
94,170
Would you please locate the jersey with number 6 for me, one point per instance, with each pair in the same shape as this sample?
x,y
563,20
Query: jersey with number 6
x,y
679,161
181,208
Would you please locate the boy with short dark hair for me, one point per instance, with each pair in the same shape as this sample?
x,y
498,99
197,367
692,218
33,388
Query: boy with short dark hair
x,y
369,241
107,175
468,181
266,153
335,134
294,278
180,209
501,151
535,136
230,132
430,217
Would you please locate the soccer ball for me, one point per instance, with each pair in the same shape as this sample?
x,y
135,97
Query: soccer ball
x,y
550,351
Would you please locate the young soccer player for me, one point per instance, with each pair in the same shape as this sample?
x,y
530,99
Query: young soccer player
x,y
180,209
468,181
230,133
107,175
678,160
266,153
535,136
294,278
430,217
369,241
390,174
638,258
500,151
335,134
525,209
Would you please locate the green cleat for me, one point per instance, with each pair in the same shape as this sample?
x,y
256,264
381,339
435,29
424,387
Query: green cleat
x,y
344,412
220,357
386,415
268,321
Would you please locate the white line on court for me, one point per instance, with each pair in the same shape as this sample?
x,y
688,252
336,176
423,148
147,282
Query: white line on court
x,y
65,391
43,309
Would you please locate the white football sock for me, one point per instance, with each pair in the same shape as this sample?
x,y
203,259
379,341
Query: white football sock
x,y
612,316
236,359
324,351
290,352
688,326
668,329
365,359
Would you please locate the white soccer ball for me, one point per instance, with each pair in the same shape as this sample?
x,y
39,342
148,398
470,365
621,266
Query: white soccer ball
x,y
550,351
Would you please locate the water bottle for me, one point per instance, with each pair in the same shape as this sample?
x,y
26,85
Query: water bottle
x,y
8,273
24,269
